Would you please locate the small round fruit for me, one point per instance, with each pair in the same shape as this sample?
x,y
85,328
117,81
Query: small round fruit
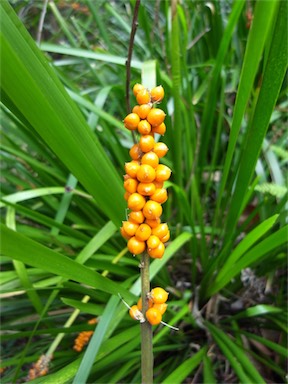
x,y
139,304
130,185
146,143
143,110
135,152
143,232
153,223
156,117
136,314
136,216
136,109
158,184
160,149
161,230
159,295
144,128
153,315
150,158
152,210
131,121
160,195
153,242
157,94
146,189
129,227
127,195
137,87
131,168
136,202
160,129
143,97
165,238
136,246
161,307
163,172
157,252
124,234
145,173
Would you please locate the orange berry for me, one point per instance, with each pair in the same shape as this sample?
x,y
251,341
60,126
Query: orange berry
x,y
156,117
160,195
161,230
135,152
136,109
136,314
161,129
157,252
153,242
157,94
131,168
136,246
146,189
146,143
126,195
139,303
131,121
144,128
143,110
152,210
130,185
150,158
136,217
165,238
159,295
145,173
153,315
124,234
158,184
137,87
143,96
136,202
160,149
143,232
129,227
163,172
153,223
161,307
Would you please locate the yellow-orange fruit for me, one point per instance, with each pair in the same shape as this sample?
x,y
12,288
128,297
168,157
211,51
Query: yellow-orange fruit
x,y
158,184
152,210
159,295
136,109
153,223
153,242
130,185
135,313
163,172
136,202
165,238
156,117
143,96
153,315
161,307
146,189
160,149
146,143
143,232
143,110
132,168
145,173
131,121
161,230
157,94
135,152
124,234
150,158
157,252
137,87
160,195
129,227
136,246
136,217
144,128
139,303
160,129
126,195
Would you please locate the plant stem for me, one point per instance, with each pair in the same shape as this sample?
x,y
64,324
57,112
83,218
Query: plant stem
x,y
146,328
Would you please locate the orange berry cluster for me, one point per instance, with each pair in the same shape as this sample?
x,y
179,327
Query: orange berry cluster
x,y
40,368
83,337
156,307
144,178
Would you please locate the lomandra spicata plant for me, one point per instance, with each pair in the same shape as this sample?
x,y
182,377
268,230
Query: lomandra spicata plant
x,y
145,192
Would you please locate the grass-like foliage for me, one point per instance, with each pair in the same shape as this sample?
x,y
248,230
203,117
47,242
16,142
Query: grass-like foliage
x,y
63,148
